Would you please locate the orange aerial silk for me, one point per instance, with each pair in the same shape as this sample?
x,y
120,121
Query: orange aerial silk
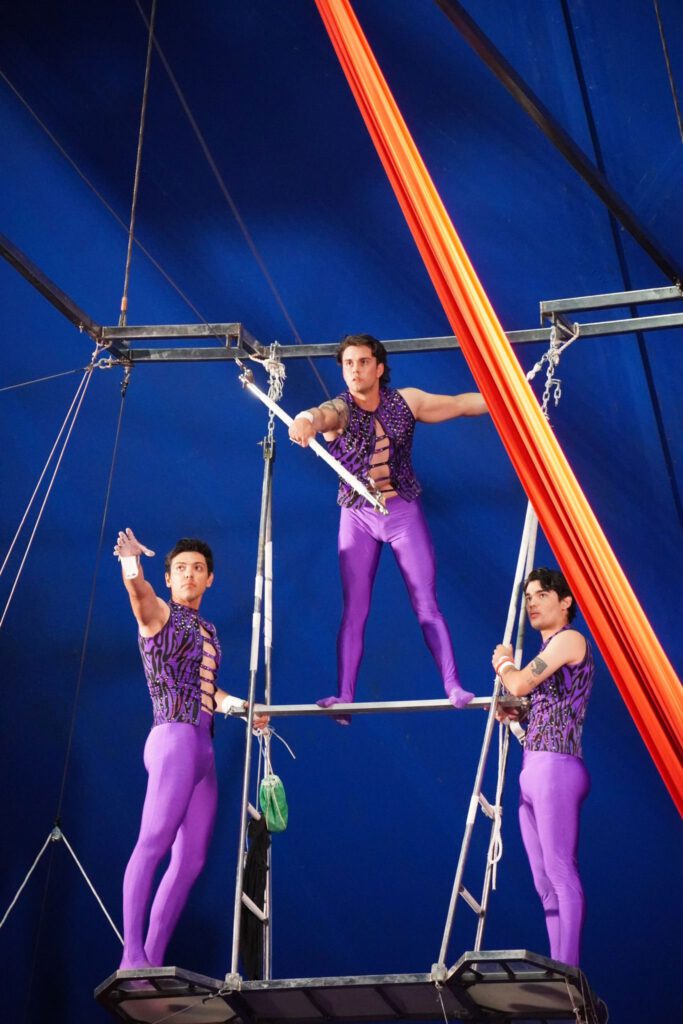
x,y
634,656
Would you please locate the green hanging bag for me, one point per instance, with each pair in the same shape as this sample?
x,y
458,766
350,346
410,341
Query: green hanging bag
x,y
273,802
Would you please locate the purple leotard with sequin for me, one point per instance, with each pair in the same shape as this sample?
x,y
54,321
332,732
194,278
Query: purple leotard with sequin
x,y
172,659
558,707
356,446
362,532
553,784
180,804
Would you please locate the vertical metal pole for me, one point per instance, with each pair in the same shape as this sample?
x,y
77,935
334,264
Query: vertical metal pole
x,y
253,669
490,863
490,721
469,825
531,529
268,674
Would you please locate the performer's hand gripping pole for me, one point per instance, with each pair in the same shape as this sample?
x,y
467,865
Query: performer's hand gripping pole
x,y
247,379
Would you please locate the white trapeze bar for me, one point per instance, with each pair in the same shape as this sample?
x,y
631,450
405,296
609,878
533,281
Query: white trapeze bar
x,y
360,488
373,707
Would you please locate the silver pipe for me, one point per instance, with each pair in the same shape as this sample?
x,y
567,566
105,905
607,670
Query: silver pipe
x,y
253,669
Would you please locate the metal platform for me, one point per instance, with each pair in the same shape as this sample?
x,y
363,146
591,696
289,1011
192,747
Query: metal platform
x,y
496,987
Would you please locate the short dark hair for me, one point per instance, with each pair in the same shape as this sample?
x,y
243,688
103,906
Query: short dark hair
x,y
376,347
190,544
552,579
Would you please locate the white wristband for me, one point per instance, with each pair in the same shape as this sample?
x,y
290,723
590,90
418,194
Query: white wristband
x,y
305,415
129,564
504,663
230,704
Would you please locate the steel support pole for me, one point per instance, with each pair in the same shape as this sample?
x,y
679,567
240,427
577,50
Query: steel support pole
x,y
253,670
490,722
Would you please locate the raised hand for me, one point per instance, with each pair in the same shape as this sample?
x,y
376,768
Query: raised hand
x,y
128,546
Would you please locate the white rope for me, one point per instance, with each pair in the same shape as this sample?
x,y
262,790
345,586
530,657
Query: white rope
x,y
23,884
40,380
83,390
81,384
90,885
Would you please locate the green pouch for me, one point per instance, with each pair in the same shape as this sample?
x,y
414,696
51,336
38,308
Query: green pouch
x,y
273,803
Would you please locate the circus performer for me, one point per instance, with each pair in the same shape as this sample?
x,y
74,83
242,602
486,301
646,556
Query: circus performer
x,y
370,428
554,780
181,657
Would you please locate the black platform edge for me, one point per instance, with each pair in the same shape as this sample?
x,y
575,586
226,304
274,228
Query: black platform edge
x,y
492,986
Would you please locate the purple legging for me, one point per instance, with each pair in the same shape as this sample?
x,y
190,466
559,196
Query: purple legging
x,y
178,815
361,535
552,788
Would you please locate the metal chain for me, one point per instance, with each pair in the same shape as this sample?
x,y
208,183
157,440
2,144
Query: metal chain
x,y
276,383
553,384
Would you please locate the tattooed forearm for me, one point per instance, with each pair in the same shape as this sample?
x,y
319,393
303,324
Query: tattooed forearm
x,y
336,407
538,667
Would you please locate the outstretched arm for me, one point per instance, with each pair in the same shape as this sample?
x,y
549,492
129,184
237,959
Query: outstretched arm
x,y
567,648
330,418
428,408
149,610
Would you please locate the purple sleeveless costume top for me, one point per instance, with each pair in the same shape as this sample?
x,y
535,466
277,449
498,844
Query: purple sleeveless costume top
x,y
558,706
172,659
356,446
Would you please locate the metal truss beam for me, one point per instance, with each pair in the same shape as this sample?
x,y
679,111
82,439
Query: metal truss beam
x,y
603,328
556,134
59,299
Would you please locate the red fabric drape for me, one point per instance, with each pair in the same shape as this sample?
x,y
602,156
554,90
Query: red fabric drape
x,y
639,666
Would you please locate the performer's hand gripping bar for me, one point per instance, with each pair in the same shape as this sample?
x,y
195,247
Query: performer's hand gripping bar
x,y
247,379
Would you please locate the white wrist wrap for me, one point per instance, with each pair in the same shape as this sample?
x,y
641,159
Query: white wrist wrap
x,y
305,415
129,564
230,704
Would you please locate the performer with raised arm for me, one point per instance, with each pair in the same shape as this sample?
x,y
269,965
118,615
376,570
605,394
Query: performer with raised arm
x,y
554,781
181,657
370,428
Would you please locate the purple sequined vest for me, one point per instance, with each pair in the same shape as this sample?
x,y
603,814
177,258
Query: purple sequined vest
x,y
558,707
355,447
172,659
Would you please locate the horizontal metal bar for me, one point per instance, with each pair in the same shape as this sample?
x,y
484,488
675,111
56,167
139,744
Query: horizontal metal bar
x,y
59,299
231,330
630,326
611,300
603,328
373,707
186,355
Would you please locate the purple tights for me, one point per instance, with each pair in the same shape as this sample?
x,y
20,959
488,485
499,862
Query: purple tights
x,y
178,816
361,535
552,788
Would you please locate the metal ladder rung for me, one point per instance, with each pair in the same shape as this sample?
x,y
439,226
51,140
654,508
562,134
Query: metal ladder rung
x,y
256,911
470,901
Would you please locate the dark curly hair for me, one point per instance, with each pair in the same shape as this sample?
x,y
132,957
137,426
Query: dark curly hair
x,y
190,544
376,347
552,579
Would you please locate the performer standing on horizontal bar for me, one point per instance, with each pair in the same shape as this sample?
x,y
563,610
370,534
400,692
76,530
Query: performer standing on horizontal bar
x,y
554,781
181,656
370,430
